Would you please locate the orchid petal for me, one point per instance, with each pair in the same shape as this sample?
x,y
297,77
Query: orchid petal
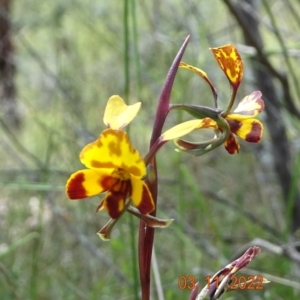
x,y
232,145
180,130
87,183
202,74
114,203
187,146
249,130
249,107
113,150
230,62
141,196
117,114
197,149
105,231
208,123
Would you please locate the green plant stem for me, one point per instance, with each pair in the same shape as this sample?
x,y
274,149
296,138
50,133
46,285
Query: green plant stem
x,y
283,46
135,46
133,257
127,13
233,95
291,196
126,49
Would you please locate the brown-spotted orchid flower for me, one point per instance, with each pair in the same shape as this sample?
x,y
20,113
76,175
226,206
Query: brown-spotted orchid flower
x,y
226,124
114,166
241,122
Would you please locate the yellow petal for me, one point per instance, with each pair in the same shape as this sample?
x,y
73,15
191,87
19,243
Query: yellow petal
x,y
180,130
117,114
200,73
86,183
249,130
207,123
113,150
230,62
141,196
249,107
194,69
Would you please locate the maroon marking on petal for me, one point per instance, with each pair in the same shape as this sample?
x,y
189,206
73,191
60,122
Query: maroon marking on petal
x,y
206,122
113,203
232,145
147,205
255,134
121,186
186,145
234,125
75,189
108,182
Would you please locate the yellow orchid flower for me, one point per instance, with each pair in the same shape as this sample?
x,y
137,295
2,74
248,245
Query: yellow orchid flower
x,y
114,165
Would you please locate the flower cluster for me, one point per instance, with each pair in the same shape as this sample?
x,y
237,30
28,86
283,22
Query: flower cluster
x,y
116,168
226,124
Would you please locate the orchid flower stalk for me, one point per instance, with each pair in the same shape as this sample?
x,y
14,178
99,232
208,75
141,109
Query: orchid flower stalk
x,y
129,181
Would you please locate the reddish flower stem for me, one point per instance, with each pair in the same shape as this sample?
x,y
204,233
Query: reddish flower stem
x,y
146,234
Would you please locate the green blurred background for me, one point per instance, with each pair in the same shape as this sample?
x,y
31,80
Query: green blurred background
x,y
59,63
